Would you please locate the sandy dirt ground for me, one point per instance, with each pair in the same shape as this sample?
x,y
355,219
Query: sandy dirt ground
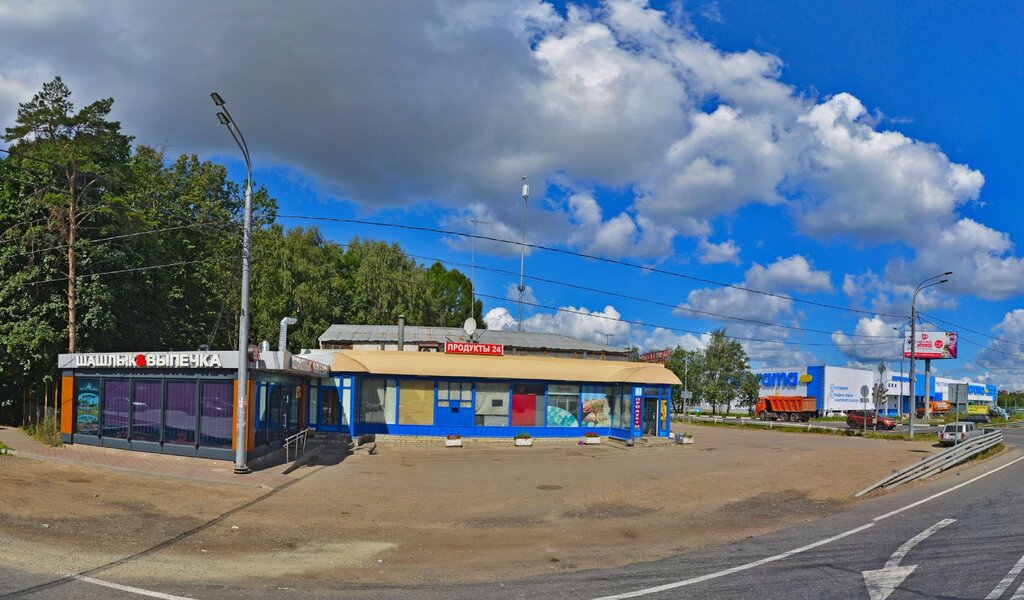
x,y
415,514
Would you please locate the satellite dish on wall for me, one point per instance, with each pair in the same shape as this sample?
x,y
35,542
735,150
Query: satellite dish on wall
x,y
470,326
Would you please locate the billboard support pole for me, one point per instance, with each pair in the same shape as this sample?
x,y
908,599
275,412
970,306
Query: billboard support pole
x,y
927,389
913,343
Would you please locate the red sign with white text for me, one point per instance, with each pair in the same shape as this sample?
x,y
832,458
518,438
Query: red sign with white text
x,y
636,412
474,348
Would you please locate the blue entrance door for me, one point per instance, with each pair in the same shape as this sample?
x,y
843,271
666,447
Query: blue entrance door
x,y
454,404
330,407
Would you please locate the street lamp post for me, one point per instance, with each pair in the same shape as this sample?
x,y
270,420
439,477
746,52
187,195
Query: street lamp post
x,y
899,403
522,255
913,340
243,322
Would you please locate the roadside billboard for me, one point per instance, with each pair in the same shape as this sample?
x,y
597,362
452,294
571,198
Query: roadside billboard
x,y
842,389
931,344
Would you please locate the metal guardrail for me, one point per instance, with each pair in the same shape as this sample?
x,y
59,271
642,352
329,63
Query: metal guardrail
x,y
296,439
938,462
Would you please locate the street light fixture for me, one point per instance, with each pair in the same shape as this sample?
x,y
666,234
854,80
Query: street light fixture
x,y
913,341
243,322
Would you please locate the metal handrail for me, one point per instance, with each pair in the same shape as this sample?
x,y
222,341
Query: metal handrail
x,y
938,462
300,436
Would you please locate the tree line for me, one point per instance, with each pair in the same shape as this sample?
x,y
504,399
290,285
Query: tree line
x,y
716,375
106,245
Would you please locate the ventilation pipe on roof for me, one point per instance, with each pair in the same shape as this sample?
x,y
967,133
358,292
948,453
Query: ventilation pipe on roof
x,y
282,338
401,332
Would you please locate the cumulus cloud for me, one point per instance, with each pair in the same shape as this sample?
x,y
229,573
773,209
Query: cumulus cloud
x,y
447,103
875,347
512,293
598,326
660,338
724,252
765,343
1007,352
887,297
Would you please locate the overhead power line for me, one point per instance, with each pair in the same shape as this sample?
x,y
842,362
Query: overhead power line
x,y
676,329
132,270
653,302
614,261
123,236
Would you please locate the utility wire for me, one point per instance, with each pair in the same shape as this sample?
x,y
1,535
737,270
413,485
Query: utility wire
x,y
589,256
678,329
132,270
122,236
649,301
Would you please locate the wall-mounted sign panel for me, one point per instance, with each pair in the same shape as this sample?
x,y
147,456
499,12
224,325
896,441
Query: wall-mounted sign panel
x,y
474,348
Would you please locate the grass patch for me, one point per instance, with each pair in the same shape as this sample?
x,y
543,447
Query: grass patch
x,y
4,449
46,432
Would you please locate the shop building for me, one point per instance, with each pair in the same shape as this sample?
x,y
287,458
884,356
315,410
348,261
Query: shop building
x,y
836,389
897,399
184,403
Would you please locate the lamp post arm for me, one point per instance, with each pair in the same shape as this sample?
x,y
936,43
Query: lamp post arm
x,y
240,140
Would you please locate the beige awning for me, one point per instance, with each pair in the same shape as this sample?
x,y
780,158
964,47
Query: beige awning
x,y
538,368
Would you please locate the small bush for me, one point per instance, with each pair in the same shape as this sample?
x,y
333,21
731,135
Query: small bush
x,y
46,432
522,435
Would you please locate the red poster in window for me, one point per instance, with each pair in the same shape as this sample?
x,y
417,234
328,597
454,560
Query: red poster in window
x,y
636,412
524,408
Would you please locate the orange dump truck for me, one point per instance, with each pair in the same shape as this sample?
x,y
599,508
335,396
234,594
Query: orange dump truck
x,y
786,408
939,408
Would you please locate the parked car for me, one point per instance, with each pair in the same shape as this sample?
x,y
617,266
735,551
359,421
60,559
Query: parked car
x,y
857,419
954,433
976,419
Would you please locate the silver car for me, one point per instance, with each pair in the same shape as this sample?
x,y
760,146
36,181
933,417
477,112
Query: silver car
x,y
954,433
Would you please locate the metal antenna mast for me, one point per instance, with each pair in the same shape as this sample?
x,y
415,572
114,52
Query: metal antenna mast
x,y
522,254
472,265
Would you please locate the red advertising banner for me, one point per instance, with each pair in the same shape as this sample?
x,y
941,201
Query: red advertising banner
x,y
474,348
636,412
932,344
656,356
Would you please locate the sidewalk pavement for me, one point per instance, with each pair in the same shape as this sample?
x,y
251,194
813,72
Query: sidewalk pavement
x,y
185,468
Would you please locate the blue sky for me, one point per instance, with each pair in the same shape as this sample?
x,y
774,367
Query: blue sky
x,y
831,152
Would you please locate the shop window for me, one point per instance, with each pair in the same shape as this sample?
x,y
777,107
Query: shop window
x,y
377,399
597,405
416,402
455,391
275,412
180,426
563,405
346,401
492,404
146,408
116,406
87,406
262,402
215,414
528,405
314,404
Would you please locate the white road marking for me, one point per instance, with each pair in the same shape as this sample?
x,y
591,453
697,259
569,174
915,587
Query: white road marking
x,y
1019,594
883,582
897,556
763,561
997,592
130,589
944,492
737,569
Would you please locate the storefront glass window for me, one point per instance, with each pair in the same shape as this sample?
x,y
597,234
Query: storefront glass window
x,y
146,408
116,407
87,406
329,404
275,412
492,404
597,405
528,404
215,406
455,391
377,398
346,401
416,402
563,405
181,412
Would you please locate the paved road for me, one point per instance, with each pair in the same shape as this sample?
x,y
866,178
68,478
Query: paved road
x,y
963,540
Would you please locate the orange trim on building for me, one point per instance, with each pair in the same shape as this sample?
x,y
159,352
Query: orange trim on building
x,y
67,404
